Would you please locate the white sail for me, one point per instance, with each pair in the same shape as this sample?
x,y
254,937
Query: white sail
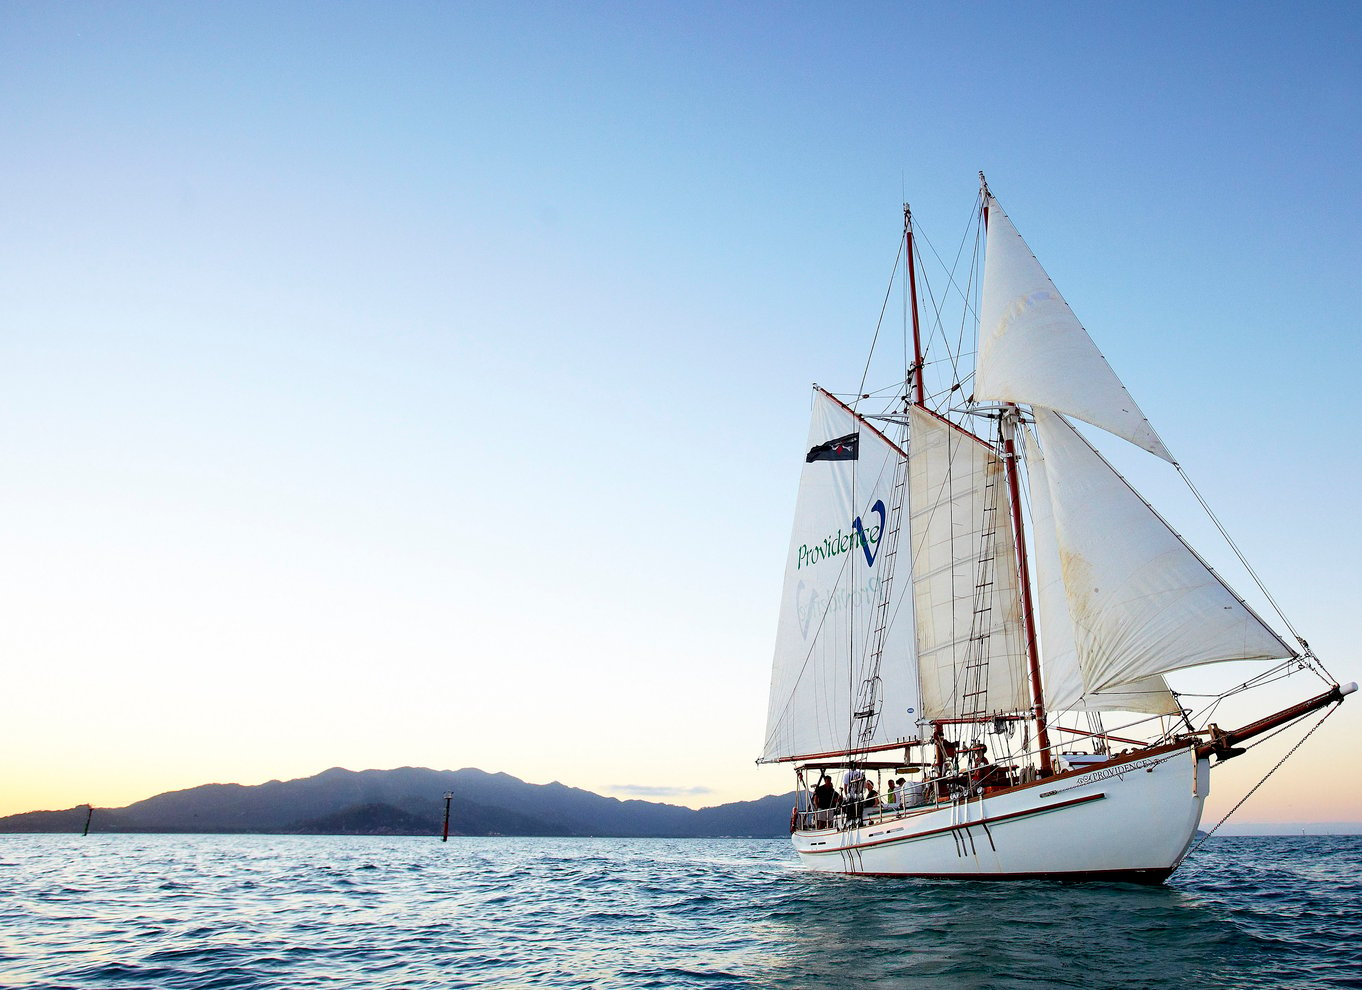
x,y
1065,689
1141,600
834,581
971,650
1033,350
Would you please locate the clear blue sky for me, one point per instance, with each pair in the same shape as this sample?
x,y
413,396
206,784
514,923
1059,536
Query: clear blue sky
x,y
390,384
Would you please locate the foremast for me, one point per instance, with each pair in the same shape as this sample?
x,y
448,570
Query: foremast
x,y
918,397
869,698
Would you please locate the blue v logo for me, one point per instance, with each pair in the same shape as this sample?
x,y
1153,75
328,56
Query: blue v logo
x,y
870,555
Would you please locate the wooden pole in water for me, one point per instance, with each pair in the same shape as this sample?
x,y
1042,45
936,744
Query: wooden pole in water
x,y
89,813
449,796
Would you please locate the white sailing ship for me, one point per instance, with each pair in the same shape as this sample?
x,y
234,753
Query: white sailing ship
x,y
972,592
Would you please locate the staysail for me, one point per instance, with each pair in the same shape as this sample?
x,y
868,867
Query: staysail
x,y
1065,689
971,651
1033,350
834,583
1141,601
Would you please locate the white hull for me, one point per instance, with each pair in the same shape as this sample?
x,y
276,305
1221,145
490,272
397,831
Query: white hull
x,y
1132,819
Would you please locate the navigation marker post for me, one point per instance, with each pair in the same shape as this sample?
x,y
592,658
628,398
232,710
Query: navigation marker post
x,y
449,796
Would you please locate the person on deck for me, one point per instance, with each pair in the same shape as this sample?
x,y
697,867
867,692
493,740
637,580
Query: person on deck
x,y
910,795
984,774
825,799
854,787
945,748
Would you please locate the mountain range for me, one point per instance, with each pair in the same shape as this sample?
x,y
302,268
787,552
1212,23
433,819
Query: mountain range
x,y
410,801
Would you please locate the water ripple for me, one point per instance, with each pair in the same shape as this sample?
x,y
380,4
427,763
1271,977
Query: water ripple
x,y
239,912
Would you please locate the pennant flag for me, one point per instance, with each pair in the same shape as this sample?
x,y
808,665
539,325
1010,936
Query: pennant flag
x,y
841,449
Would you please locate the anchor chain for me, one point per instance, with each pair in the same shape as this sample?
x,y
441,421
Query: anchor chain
x,y
1260,783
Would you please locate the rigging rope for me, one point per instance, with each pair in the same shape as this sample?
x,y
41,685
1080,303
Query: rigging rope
x,y
888,293
937,328
1280,672
1260,783
1308,653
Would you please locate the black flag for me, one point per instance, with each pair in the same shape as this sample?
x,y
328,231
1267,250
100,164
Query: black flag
x,y
841,449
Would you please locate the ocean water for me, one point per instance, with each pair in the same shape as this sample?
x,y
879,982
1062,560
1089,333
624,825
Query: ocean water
x,y
219,911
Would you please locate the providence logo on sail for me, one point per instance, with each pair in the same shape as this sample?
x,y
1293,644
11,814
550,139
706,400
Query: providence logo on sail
x,y
840,542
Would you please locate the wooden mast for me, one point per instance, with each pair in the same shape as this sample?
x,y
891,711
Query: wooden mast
x,y
1010,419
917,397
915,371
1028,610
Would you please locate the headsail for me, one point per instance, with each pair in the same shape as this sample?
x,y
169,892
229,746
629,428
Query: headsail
x,y
1065,689
1141,600
1033,350
833,583
971,652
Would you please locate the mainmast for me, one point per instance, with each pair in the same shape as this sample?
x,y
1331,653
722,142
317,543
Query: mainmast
x,y
1011,419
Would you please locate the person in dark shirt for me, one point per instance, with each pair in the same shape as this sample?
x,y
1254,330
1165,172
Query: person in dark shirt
x,y
825,798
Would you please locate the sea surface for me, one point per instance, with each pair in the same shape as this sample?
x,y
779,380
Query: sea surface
x,y
215,911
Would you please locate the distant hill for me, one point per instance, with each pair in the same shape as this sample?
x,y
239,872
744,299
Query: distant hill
x,y
410,801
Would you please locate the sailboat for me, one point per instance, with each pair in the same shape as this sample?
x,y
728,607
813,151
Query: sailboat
x,y
973,595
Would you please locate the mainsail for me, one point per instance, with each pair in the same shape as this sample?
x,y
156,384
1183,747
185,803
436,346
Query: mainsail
x,y
971,652
1033,350
1141,601
825,657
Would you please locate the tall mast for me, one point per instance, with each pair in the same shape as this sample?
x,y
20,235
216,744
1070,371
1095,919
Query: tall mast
x,y
915,372
1010,420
